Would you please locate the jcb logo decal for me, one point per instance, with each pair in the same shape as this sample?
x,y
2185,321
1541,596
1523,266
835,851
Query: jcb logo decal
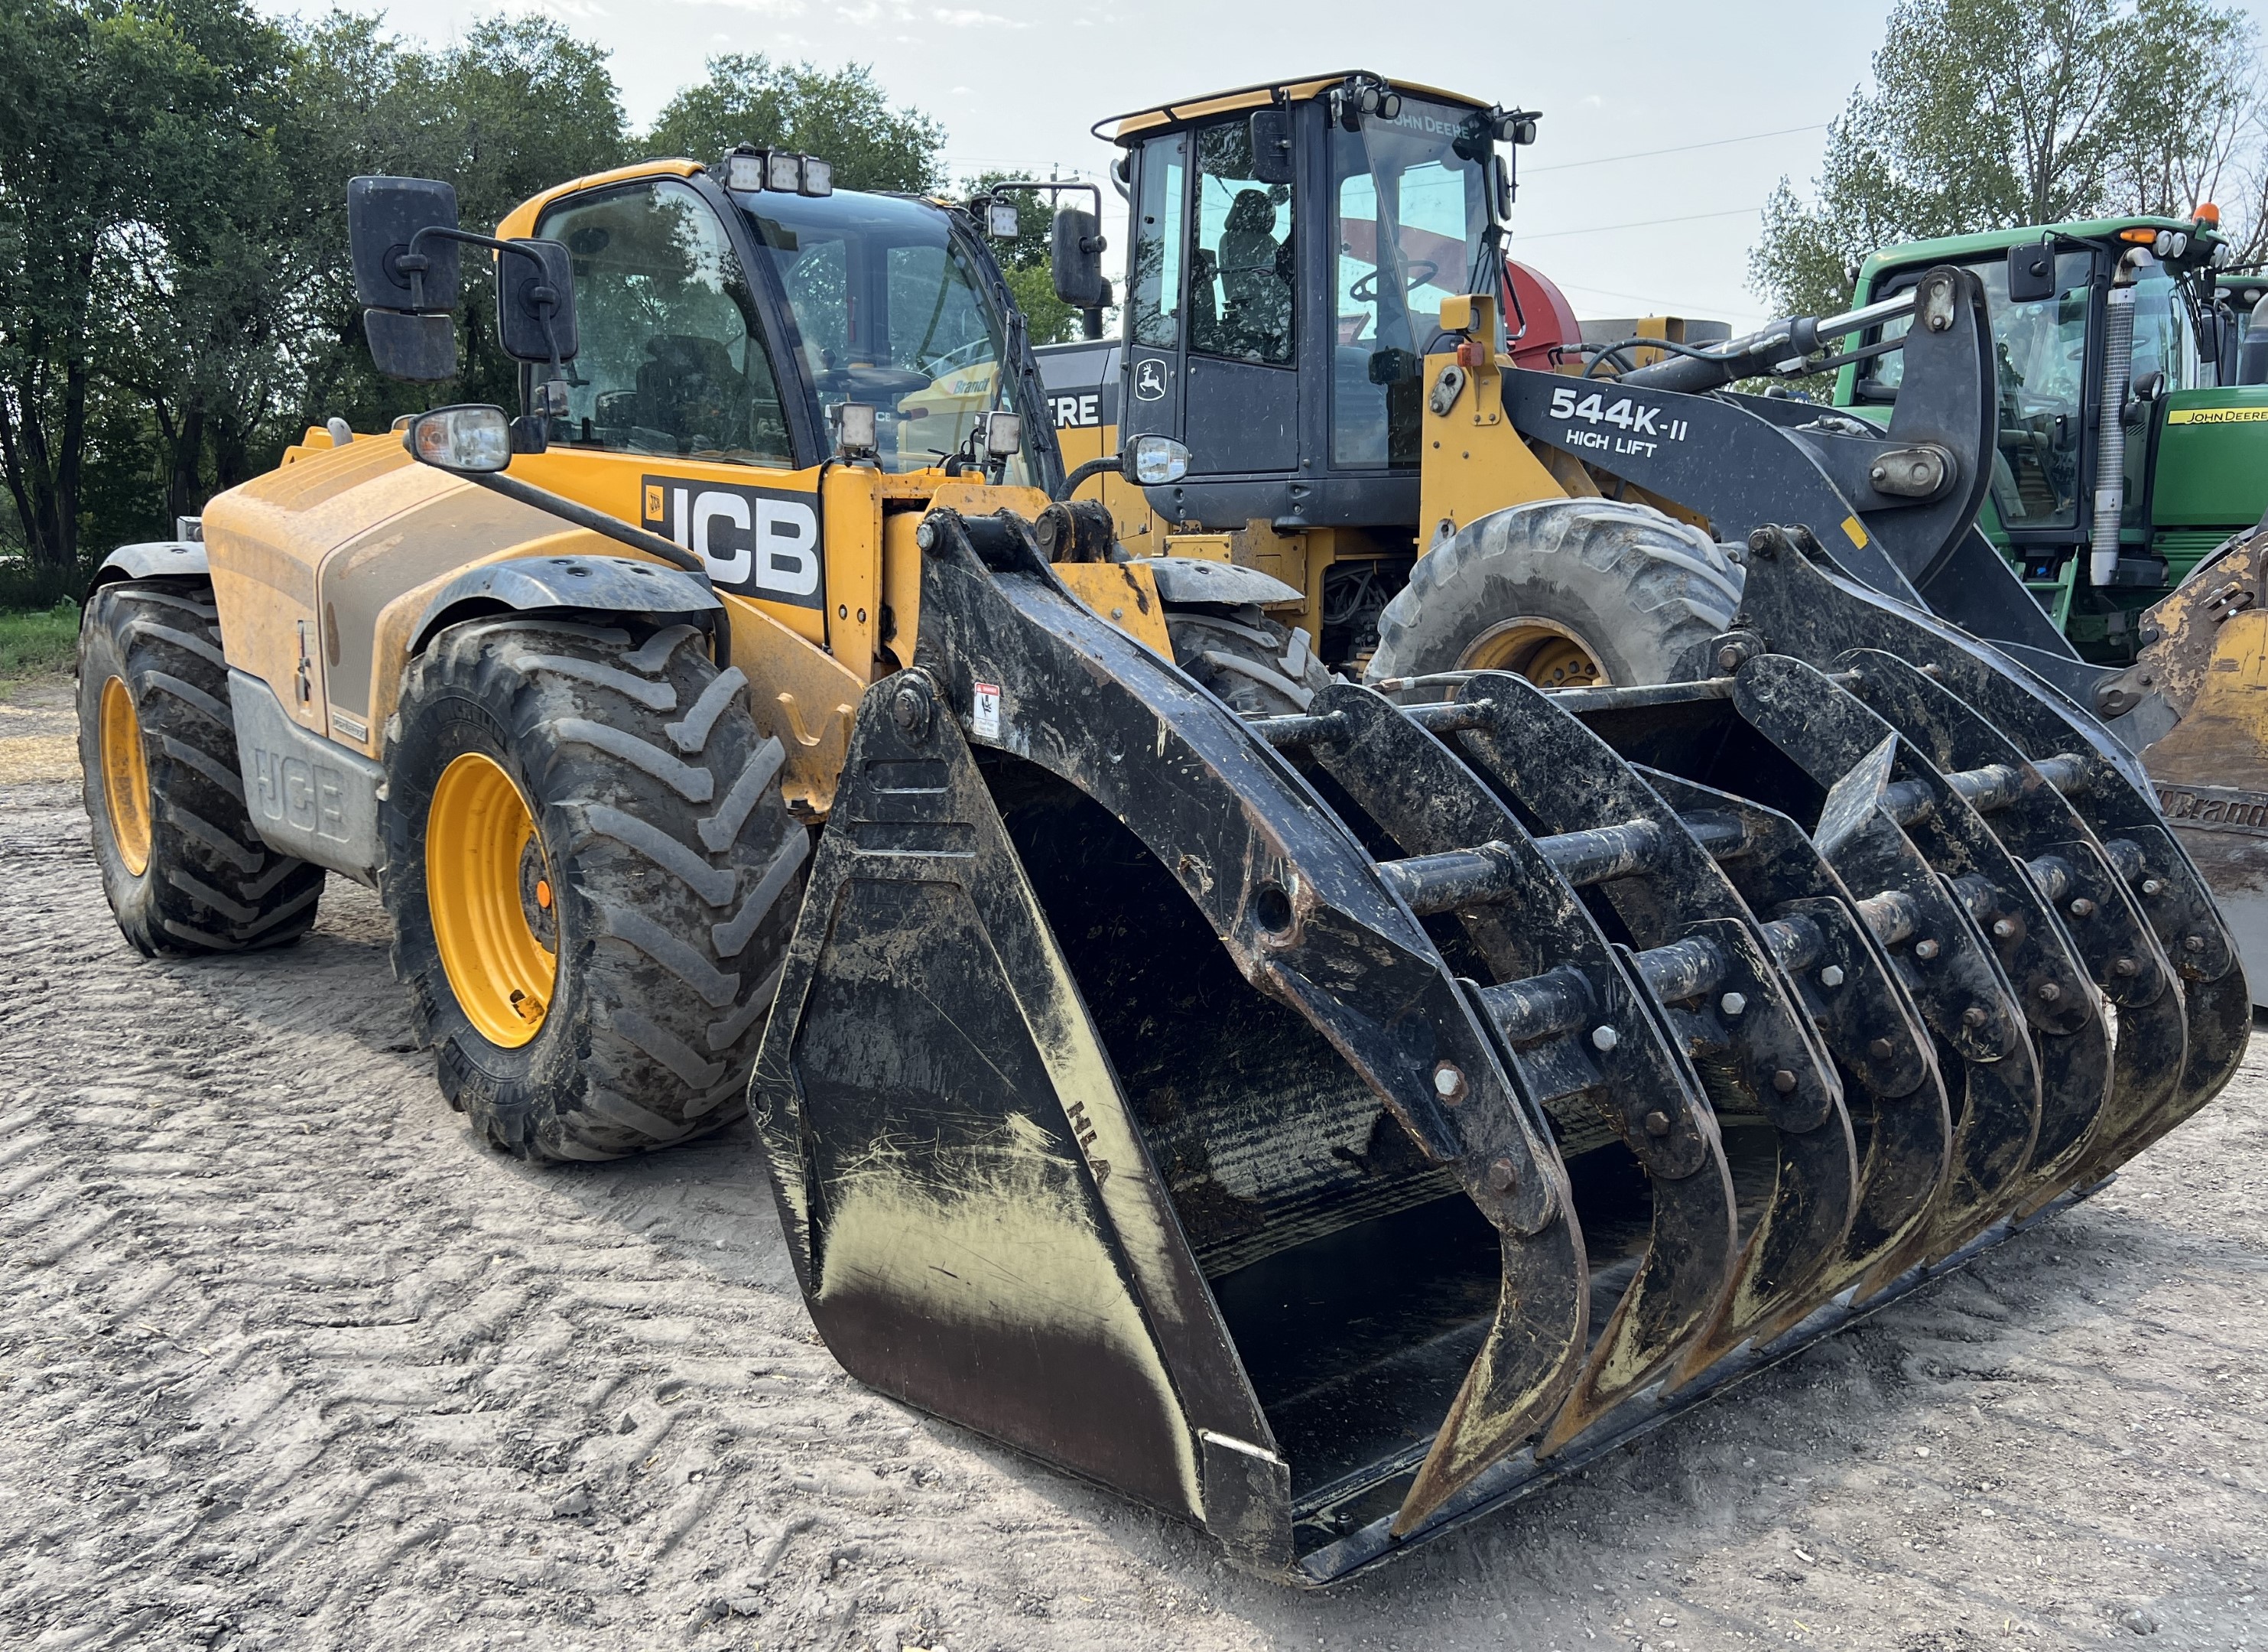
x,y
756,542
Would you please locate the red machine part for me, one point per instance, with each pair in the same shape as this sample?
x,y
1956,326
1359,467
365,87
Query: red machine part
x,y
1531,297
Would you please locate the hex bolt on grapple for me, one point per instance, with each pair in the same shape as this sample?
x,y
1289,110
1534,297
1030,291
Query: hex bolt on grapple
x,y
1327,1127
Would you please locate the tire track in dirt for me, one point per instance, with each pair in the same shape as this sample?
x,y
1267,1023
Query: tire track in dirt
x,y
289,1360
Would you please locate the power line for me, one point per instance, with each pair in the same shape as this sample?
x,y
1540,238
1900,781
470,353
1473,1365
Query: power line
x,y
1642,224
1680,149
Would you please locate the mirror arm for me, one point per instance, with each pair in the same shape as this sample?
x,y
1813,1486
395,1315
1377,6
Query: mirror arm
x,y
1108,465
413,263
614,529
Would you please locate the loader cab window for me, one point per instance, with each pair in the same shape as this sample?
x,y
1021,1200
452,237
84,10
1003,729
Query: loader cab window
x,y
1241,253
1410,202
1154,266
2041,346
672,361
888,311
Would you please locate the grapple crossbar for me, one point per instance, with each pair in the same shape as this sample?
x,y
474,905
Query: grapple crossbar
x,y
1327,1128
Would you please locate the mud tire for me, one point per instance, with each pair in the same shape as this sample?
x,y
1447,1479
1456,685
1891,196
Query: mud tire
x,y
210,883
678,869
1257,666
1643,592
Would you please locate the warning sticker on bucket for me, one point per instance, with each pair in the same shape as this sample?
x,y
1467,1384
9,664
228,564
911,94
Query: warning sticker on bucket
x,y
988,711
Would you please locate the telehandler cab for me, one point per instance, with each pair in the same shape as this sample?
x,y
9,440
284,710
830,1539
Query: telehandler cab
x,y
1320,1126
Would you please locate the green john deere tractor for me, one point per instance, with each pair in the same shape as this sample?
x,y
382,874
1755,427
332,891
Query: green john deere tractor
x,y
2105,515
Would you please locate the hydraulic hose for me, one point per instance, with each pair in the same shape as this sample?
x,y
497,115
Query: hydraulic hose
x,y
2110,433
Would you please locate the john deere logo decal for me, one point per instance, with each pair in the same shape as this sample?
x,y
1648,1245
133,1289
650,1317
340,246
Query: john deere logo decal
x,y
2217,416
756,542
1150,381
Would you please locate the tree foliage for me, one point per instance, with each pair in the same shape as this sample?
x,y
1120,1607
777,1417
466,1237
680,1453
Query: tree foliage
x,y
1989,113
175,303
842,116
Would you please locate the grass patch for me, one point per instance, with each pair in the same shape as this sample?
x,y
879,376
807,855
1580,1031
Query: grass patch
x,y
41,641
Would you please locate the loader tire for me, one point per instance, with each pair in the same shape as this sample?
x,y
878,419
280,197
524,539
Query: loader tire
x,y
1567,592
184,869
592,877
1258,667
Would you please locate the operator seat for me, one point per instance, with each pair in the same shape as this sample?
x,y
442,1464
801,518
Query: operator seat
x,y
1256,309
689,389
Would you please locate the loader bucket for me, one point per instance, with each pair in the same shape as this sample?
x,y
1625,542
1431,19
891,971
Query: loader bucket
x,y
1327,1128
2206,664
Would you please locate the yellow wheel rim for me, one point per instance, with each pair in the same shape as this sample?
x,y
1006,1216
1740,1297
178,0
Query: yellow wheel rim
x,y
125,776
1545,652
489,887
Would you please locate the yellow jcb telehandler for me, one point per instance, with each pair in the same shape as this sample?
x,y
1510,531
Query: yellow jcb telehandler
x,y
1319,1125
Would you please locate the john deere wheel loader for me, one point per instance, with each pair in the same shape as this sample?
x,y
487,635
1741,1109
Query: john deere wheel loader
x,y
1320,1126
1301,257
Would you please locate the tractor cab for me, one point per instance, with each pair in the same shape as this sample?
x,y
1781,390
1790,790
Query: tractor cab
x,y
2174,486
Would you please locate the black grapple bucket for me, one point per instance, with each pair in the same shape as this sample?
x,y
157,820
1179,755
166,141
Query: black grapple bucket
x,y
1326,1128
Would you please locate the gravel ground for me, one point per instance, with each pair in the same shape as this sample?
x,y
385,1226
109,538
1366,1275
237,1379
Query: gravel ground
x,y
290,1360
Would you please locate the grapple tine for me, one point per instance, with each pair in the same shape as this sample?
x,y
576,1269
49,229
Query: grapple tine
x,y
1744,1029
1832,734
1803,606
1891,1084
1939,957
1416,792
2100,911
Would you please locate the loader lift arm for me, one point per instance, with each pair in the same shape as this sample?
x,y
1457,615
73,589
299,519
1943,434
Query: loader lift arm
x,y
1898,506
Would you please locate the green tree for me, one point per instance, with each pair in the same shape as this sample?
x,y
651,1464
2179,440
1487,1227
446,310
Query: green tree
x,y
84,94
842,116
1988,114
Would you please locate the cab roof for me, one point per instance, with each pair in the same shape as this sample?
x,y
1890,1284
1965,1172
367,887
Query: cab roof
x,y
1123,129
1953,249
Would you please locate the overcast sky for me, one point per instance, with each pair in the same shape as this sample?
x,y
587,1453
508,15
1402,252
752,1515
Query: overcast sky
x,y
1736,91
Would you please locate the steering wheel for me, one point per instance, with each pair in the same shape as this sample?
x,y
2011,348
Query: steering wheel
x,y
876,384
1421,271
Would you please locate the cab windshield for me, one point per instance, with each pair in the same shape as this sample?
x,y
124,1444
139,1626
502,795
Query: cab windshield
x,y
1409,204
888,311
2041,349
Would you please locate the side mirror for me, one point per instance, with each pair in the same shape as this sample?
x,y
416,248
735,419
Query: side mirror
x,y
470,439
406,296
1075,252
1270,131
1155,461
535,302
2031,272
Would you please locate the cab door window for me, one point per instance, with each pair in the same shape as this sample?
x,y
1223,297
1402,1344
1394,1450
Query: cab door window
x,y
1241,253
672,359
1154,280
